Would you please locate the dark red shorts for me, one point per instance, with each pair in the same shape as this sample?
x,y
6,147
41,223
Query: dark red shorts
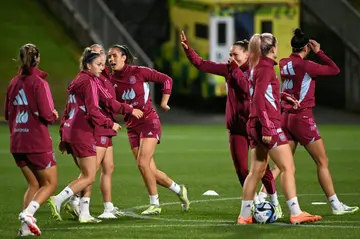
x,y
255,135
80,150
150,129
104,141
300,127
36,161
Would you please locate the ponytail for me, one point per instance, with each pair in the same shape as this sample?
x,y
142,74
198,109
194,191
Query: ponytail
x,y
29,58
130,58
260,45
254,50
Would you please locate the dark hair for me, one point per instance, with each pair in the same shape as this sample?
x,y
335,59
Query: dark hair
x,y
87,57
130,58
260,45
299,40
243,44
28,57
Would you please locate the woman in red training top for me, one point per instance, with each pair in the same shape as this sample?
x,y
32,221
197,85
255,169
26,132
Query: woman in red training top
x,y
132,86
29,109
81,115
104,150
237,107
298,124
264,129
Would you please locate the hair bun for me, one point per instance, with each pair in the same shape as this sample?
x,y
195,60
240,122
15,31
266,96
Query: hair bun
x,y
298,32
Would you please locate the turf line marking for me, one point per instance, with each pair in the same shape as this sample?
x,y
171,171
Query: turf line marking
x,y
118,226
232,198
213,223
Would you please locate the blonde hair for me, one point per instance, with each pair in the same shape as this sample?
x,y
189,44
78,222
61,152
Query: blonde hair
x,y
260,45
28,57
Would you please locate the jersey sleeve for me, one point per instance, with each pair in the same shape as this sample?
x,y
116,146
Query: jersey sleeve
x,y
329,68
263,81
237,79
92,105
44,101
211,67
151,75
110,102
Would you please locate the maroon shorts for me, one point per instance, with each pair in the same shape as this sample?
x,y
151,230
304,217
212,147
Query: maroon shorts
x,y
104,141
80,150
255,135
150,129
300,127
36,161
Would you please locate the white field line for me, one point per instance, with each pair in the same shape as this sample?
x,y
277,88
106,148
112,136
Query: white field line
x,y
206,223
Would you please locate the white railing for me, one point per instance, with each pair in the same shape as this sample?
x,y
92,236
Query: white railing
x,y
341,18
105,29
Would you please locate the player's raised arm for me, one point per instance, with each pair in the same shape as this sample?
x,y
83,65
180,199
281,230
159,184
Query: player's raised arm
x,y
201,64
329,68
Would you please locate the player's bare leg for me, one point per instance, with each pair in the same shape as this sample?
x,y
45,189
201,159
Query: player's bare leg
x,y
87,177
283,158
259,161
317,152
275,172
107,169
164,180
47,180
145,154
33,185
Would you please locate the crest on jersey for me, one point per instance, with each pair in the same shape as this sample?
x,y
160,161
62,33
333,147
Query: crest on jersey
x,y
132,79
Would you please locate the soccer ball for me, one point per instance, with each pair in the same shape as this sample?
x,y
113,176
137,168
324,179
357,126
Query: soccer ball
x,y
265,213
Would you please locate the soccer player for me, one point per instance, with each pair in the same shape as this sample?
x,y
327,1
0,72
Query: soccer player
x,y
77,131
29,109
132,86
236,73
264,129
298,124
104,151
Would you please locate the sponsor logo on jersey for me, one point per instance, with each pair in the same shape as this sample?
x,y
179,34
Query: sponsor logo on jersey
x,y
128,94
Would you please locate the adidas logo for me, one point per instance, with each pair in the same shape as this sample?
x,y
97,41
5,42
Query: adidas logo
x,y
72,98
293,204
20,98
150,133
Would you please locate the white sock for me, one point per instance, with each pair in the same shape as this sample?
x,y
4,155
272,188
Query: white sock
x,y
334,202
84,207
32,208
108,206
175,187
62,196
75,199
256,199
262,196
246,208
274,199
154,200
294,207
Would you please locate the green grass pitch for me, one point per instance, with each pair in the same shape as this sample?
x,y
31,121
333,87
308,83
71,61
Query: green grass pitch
x,y
197,156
